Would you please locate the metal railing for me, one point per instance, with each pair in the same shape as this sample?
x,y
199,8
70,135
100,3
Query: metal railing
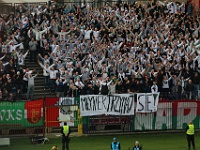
x,y
171,115
40,117
6,8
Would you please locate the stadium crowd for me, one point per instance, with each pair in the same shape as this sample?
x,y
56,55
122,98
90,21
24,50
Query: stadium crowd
x,y
118,48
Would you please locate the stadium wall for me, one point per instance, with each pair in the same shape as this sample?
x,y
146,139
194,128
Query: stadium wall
x,y
41,116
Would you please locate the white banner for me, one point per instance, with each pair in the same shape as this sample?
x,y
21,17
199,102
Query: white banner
x,y
118,104
66,113
147,102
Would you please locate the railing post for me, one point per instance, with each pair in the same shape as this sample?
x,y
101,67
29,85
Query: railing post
x,y
80,124
44,116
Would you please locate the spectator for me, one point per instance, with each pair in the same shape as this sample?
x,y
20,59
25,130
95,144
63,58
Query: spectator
x,y
33,49
53,75
179,90
89,89
196,81
190,90
166,86
60,87
45,60
2,66
136,43
112,88
30,90
79,84
46,74
18,82
21,58
104,86
154,88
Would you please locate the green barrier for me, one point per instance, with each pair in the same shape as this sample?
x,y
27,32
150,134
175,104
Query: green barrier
x,y
21,114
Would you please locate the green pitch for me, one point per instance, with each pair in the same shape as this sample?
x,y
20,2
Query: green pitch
x,y
165,141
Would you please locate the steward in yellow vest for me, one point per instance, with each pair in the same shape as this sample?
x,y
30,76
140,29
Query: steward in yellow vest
x,y
190,130
65,130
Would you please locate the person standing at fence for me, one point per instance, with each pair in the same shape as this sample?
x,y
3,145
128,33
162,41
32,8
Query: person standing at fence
x,y
190,90
154,88
60,87
190,135
196,81
65,136
115,145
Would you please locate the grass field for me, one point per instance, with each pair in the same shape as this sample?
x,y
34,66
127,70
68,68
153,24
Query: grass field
x,y
165,141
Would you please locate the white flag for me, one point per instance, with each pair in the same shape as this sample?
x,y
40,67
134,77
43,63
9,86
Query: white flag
x,y
147,102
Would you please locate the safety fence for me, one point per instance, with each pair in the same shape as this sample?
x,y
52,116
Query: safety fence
x,y
6,8
45,116
169,116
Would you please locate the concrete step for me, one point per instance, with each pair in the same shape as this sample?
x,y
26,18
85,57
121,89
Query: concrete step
x,y
35,68
39,91
39,81
39,77
42,95
39,86
30,65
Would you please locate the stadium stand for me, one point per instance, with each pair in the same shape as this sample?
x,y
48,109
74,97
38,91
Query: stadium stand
x,y
119,48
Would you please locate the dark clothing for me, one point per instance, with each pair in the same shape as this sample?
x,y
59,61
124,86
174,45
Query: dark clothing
x,y
89,90
179,92
196,79
65,139
33,55
190,139
137,148
104,90
119,89
190,87
138,87
60,87
65,143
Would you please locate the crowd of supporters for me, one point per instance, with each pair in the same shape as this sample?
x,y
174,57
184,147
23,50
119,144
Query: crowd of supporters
x,y
119,48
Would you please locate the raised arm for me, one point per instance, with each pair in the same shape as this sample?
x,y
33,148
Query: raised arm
x,y
35,75
41,57
26,54
32,23
5,64
2,57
